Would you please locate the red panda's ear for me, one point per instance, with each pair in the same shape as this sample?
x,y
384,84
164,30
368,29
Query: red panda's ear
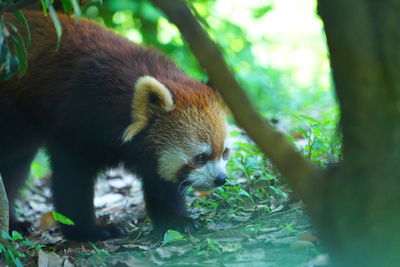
x,y
150,96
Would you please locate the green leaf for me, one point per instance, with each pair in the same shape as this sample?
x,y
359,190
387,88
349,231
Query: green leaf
x,y
67,6
172,236
77,9
12,26
21,17
261,11
45,6
16,236
5,235
17,262
308,119
278,191
28,243
99,251
38,170
21,53
57,25
61,218
244,193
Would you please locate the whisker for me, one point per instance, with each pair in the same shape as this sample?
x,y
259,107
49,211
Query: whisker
x,y
181,183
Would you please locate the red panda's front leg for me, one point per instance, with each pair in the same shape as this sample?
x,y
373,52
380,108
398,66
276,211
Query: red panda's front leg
x,y
73,191
165,205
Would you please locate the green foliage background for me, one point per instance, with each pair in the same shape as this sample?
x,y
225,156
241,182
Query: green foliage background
x,y
276,48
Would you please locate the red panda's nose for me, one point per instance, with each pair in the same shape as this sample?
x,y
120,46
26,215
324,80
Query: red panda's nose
x,y
220,179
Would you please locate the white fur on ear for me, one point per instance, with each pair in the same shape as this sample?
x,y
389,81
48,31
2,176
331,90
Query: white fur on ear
x,y
147,87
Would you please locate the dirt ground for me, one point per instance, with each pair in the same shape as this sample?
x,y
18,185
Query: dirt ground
x,y
281,237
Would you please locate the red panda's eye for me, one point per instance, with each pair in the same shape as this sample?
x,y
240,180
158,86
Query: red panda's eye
x,y
225,155
201,159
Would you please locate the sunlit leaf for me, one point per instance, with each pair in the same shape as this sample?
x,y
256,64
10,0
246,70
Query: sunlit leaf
x,y
61,218
172,236
261,11
16,236
77,9
38,170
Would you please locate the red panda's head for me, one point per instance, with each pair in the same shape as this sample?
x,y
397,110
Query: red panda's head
x,y
188,128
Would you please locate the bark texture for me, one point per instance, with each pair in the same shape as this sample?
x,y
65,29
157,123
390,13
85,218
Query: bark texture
x,y
363,199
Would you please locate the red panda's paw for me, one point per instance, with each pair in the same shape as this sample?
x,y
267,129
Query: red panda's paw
x,y
188,225
22,227
93,233
181,224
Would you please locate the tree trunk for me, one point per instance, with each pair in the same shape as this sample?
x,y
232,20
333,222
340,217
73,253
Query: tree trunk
x,y
360,218
4,212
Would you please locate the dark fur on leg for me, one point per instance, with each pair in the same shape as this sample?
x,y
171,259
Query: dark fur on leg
x,y
73,185
165,205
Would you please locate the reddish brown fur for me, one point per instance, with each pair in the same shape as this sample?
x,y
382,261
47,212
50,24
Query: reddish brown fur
x,y
192,103
77,103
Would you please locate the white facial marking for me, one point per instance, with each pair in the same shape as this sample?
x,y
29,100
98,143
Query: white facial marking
x,y
170,162
204,148
173,158
203,178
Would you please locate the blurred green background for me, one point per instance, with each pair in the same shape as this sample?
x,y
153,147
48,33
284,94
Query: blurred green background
x,y
276,48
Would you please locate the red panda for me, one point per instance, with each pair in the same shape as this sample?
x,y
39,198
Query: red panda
x,y
101,101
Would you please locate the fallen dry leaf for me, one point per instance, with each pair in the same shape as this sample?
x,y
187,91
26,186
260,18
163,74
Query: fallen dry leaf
x,y
48,259
203,194
309,237
47,221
